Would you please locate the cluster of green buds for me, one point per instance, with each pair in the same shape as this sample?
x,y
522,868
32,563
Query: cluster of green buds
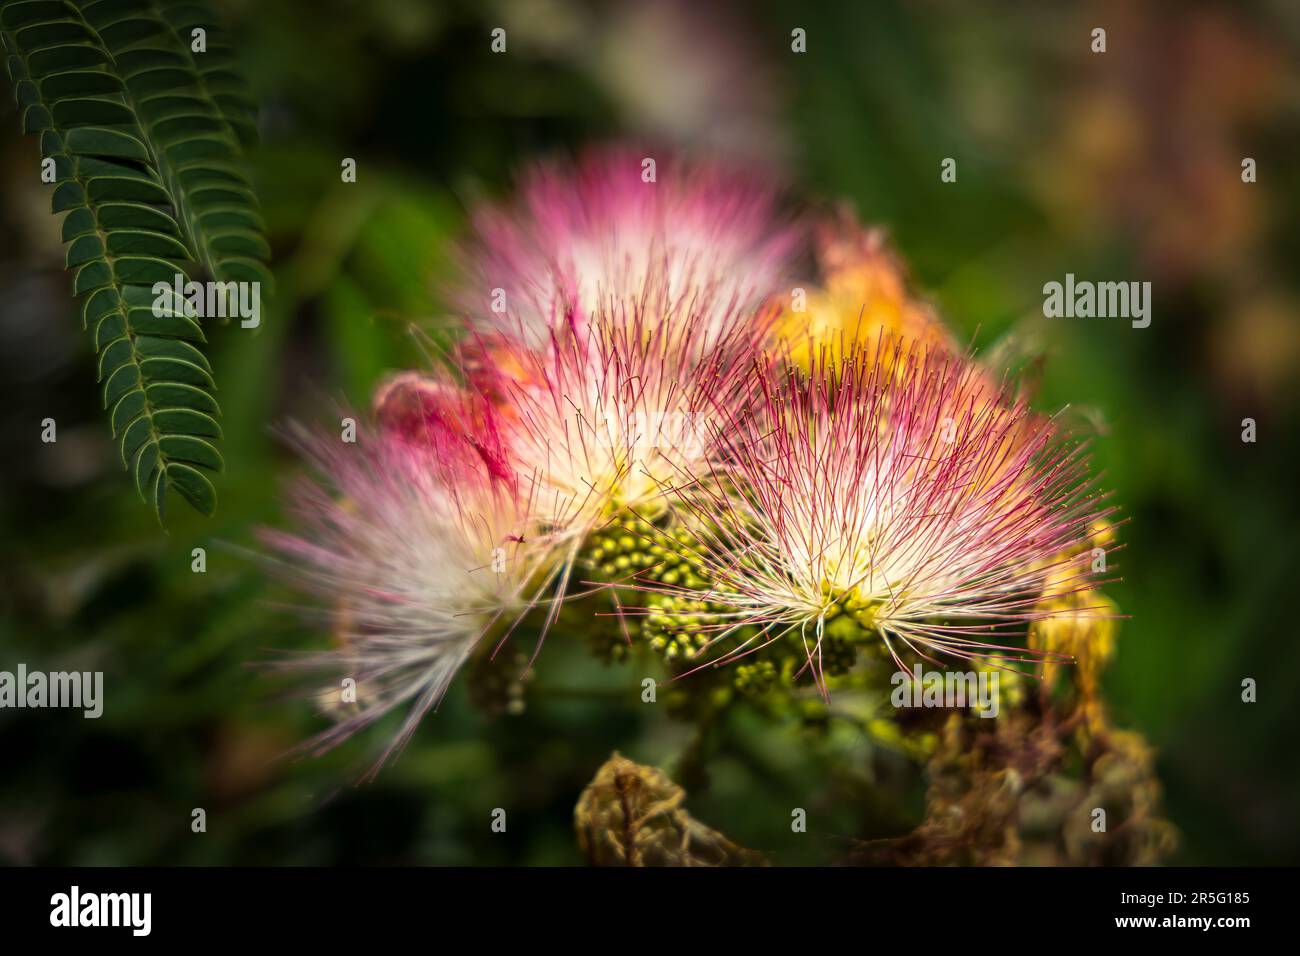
x,y
684,628
756,679
631,546
498,683
626,548
849,626
633,550
679,628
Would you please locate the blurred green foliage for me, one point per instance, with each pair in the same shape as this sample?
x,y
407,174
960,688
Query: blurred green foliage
x,y
1121,167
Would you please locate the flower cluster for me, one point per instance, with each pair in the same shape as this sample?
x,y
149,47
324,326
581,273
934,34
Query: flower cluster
x,y
892,492
639,406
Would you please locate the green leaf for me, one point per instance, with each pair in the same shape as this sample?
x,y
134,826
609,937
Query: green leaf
x,y
194,450
90,141
147,141
79,83
194,487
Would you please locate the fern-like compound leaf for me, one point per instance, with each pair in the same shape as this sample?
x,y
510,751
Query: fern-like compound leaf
x,y
139,111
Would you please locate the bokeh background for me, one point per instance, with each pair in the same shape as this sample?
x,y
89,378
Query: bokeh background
x,y
1117,166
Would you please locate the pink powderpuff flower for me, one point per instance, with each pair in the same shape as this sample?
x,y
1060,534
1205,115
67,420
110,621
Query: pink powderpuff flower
x,y
895,486
467,502
701,239
608,411
418,539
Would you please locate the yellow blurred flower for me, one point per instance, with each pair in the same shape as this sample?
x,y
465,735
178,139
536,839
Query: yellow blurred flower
x,y
864,296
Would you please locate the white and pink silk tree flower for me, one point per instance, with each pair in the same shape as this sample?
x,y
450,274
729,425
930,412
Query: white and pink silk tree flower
x,y
894,486
417,540
700,239
634,313
467,501
602,417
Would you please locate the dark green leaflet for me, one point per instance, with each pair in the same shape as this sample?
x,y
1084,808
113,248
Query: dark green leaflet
x,y
146,139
